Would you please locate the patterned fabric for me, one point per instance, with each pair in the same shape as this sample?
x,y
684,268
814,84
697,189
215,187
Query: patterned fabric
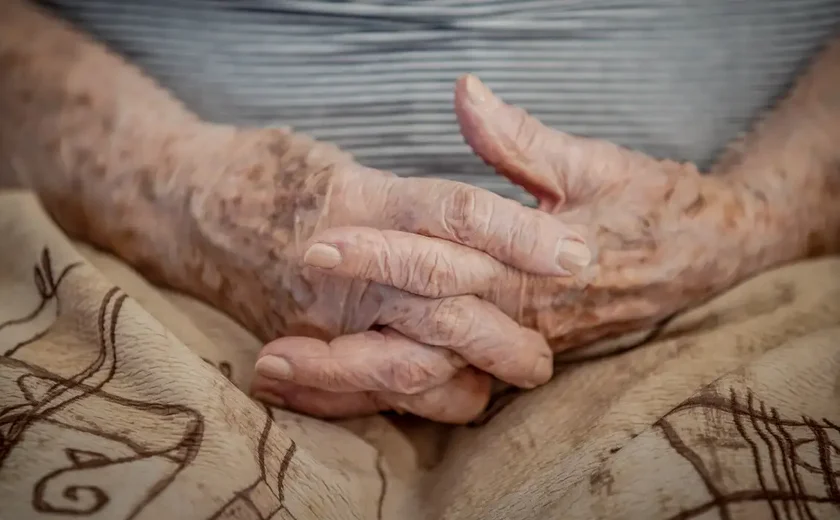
x,y
675,78
122,401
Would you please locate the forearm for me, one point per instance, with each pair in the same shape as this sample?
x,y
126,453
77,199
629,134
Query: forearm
x,y
96,139
790,164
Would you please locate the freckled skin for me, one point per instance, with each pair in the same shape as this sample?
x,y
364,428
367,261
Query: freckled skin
x,y
223,213
172,187
665,236
250,223
213,210
666,240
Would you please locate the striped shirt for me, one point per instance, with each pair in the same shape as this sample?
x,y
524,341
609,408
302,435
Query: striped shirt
x,y
674,78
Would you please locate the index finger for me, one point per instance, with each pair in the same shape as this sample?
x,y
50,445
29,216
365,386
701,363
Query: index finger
x,y
421,265
519,236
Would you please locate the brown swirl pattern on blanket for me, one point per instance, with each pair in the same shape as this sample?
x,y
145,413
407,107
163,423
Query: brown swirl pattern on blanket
x,y
119,400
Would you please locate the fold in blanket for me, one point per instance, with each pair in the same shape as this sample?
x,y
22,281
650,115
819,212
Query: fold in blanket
x,y
120,400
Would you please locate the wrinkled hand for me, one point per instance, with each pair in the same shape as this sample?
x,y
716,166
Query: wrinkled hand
x,y
665,237
284,212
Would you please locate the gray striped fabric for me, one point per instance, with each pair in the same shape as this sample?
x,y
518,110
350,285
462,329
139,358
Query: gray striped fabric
x,y
676,78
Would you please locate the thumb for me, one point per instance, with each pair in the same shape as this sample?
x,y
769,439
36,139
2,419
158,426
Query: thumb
x,y
557,168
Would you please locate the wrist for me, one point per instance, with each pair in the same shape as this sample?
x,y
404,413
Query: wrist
x,y
260,191
789,166
724,233
140,208
785,220
797,218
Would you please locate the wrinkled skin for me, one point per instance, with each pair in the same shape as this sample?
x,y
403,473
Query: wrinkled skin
x,y
252,228
663,235
227,214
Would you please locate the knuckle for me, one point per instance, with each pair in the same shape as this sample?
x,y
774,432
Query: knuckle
x,y
433,274
388,190
462,217
408,377
372,268
525,235
453,320
330,375
522,233
383,263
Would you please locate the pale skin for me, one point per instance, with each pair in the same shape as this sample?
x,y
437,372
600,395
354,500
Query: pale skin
x,y
664,236
406,294
227,215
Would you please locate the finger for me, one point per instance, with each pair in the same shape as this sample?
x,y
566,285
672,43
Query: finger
x,y
509,140
457,401
553,166
382,361
521,237
477,331
425,266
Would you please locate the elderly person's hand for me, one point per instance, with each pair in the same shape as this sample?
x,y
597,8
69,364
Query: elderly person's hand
x,y
228,214
664,237
272,216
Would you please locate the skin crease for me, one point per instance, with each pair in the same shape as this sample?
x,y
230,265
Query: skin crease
x,y
665,237
226,214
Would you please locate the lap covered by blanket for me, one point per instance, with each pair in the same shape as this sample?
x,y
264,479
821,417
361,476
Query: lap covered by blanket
x,y
120,400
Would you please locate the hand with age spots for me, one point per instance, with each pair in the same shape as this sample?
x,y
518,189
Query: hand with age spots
x,y
263,225
228,215
664,237
415,289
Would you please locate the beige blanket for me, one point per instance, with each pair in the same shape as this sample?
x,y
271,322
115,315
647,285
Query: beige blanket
x,y
119,400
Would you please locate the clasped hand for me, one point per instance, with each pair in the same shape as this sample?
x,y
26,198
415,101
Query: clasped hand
x,y
407,294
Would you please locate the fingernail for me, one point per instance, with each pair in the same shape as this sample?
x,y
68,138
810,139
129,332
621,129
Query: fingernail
x,y
477,92
573,255
322,256
273,367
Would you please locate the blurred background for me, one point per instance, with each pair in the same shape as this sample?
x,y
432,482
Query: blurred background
x,y
674,78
